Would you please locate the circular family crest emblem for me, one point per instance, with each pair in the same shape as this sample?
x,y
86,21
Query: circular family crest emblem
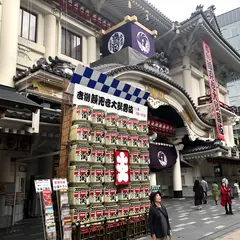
x,y
162,158
143,42
116,42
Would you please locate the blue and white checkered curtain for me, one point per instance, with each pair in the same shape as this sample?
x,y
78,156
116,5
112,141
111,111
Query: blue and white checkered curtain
x,y
101,82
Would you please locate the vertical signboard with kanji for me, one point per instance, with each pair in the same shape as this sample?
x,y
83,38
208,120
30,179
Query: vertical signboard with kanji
x,y
213,90
122,167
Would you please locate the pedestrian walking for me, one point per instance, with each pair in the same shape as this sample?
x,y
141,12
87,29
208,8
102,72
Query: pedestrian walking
x,y
215,192
159,225
205,189
236,189
226,198
198,196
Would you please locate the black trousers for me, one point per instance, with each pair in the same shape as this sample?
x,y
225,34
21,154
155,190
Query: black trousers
x,y
230,207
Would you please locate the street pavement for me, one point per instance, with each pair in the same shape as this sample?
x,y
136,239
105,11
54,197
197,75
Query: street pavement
x,y
187,223
210,223
29,229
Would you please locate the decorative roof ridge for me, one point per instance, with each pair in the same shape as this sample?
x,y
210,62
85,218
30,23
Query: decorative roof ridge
x,y
54,65
161,76
199,10
201,146
157,10
214,30
220,36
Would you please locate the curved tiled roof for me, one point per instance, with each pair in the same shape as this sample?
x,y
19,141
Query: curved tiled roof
x,y
52,65
201,146
45,116
153,73
110,70
213,29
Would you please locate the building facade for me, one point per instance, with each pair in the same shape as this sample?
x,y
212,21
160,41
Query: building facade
x,y
179,88
229,23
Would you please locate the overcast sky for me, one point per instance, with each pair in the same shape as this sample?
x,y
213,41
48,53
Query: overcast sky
x,y
179,10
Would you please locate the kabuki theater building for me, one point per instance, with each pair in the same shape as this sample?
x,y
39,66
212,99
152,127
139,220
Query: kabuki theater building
x,y
147,105
189,119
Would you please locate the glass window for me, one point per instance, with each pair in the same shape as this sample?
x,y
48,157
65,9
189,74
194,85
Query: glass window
x,y
27,25
71,44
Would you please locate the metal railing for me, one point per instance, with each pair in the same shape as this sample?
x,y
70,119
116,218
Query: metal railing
x,y
207,99
119,228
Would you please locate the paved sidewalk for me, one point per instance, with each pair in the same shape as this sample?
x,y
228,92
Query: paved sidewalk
x,y
211,223
231,236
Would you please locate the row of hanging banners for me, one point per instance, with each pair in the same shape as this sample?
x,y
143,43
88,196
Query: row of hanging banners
x,y
54,216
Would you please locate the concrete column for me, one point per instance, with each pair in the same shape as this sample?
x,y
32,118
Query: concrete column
x,y
84,50
177,176
202,87
231,136
9,41
226,135
187,76
153,179
50,35
92,49
226,99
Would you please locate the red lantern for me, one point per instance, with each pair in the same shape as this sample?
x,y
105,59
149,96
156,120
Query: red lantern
x,y
87,14
99,20
70,4
104,24
76,7
122,167
82,10
94,18
109,25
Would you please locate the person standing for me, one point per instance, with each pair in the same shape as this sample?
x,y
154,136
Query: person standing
x,y
159,225
226,198
205,189
236,189
215,192
198,196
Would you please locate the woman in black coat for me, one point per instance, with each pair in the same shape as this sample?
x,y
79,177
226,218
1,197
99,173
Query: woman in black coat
x,y
158,219
198,196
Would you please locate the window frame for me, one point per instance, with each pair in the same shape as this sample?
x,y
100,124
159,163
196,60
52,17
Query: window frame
x,y
72,35
21,24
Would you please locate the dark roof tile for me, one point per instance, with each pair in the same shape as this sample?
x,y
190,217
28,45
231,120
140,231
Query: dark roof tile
x,y
55,66
201,146
10,98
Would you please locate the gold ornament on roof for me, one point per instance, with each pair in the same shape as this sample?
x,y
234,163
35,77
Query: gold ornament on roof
x,y
147,15
129,4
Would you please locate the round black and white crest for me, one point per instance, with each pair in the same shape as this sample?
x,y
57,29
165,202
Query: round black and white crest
x,y
143,42
162,158
116,42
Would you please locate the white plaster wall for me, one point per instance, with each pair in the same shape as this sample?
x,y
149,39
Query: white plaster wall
x,y
221,97
30,52
0,17
195,90
178,78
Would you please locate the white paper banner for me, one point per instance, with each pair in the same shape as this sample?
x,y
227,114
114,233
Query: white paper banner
x,y
41,185
59,184
107,102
